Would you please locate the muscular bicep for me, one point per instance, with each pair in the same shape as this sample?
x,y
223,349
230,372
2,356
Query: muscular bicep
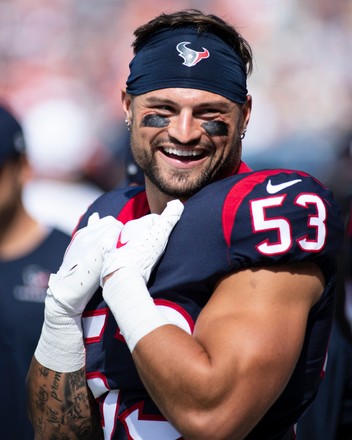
x,y
60,405
221,380
253,329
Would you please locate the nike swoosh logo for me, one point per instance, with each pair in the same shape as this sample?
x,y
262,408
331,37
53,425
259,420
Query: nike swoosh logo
x,y
273,189
119,243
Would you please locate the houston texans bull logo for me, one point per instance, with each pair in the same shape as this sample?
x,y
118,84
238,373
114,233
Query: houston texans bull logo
x,y
191,57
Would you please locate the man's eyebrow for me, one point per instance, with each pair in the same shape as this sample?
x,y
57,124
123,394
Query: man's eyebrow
x,y
153,100
221,105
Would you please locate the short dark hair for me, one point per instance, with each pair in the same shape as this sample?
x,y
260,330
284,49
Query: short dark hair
x,y
12,145
203,23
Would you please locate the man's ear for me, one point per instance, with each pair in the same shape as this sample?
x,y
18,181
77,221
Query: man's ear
x,y
126,105
246,112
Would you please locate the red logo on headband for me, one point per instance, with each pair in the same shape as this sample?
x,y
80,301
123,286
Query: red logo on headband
x,y
191,57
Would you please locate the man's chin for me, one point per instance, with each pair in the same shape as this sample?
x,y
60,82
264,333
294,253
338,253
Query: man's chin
x,y
182,191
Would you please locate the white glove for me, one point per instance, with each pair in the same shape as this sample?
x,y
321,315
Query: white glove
x,y
125,291
60,346
142,242
79,275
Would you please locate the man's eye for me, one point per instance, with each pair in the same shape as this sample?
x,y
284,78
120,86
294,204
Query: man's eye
x,y
211,110
162,108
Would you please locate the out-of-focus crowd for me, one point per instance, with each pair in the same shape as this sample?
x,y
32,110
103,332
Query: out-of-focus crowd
x,y
78,50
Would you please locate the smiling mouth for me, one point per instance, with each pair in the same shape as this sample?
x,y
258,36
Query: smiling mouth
x,y
184,155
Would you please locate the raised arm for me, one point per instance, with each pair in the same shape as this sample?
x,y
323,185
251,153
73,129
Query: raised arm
x,y
59,402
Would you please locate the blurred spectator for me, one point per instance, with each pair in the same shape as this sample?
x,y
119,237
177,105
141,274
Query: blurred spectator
x,y
330,415
339,179
61,142
108,168
29,252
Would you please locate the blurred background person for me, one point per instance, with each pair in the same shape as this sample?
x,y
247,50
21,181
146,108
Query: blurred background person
x,y
29,252
60,146
330,415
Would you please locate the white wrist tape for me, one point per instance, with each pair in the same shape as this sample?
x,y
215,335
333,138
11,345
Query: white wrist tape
x,y
132,306
60,346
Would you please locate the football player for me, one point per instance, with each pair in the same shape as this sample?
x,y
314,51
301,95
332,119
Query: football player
x,y
216,293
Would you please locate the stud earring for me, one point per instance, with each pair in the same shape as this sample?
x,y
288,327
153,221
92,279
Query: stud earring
x,y
243,134
128,124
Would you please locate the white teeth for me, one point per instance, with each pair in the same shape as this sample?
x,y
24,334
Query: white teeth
x,y
182,152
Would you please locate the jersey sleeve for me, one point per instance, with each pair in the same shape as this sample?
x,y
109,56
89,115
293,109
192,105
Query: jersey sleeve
x,y
123,204
280,216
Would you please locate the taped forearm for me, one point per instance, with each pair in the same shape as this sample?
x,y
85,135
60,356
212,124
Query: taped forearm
x,y
60,346
132,306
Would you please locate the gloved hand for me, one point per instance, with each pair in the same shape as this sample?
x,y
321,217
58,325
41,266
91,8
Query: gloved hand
x,y
61,346
142,242
130,264
79,275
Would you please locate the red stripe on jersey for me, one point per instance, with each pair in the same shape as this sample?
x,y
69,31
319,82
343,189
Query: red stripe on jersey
x,y
239,192
243,168
135,208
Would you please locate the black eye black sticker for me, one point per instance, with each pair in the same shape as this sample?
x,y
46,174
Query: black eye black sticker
x,y
155,121
215,128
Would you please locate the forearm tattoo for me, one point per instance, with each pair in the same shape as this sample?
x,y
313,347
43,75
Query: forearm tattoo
x,y
62,408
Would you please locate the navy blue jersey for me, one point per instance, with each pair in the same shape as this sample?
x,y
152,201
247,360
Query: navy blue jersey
x,y
254,219
23,286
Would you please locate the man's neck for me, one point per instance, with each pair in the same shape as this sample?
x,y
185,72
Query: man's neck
x,y
156,199
21,237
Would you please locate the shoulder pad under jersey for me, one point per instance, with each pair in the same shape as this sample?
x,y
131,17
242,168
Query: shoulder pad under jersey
x,y
123,203
280,215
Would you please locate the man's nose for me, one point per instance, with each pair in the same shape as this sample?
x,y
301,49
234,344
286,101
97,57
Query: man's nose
x,y
185,128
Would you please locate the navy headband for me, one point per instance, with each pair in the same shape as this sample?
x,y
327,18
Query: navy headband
x,y
182,58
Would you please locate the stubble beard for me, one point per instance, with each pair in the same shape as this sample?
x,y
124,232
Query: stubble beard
x,y
182,184
177,184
